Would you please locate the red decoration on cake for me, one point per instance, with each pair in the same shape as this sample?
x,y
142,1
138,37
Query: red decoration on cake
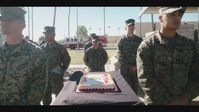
x,y
96,83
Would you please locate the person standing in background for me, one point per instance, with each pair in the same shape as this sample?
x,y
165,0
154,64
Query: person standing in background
x,y
23,65
95,57
167,63
28,39
89,43
127,49
58,62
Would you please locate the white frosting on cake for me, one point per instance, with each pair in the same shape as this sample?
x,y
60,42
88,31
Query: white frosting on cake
x,y
94,82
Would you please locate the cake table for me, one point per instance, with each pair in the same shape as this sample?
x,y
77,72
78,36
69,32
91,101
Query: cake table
x,y
123,96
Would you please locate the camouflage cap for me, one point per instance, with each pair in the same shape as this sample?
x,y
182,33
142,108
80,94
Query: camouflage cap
x,y
129,22
92,34
95,38
12,13
167,10
48,29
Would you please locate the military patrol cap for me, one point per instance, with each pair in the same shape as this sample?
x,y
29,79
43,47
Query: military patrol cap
x,y
12,13
129,22
167,10
48,29
95,38
92,34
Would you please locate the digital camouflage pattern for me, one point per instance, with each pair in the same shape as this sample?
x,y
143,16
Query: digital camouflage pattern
x,y
89,44
166,70
58,61
127,48
23,74
57,55
95,59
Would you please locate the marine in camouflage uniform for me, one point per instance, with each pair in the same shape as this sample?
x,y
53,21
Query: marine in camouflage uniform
x,y
127,49
168,67
23,65
89,43
58,61
95,57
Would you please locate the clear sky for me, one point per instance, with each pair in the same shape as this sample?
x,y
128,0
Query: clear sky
x,y
91,17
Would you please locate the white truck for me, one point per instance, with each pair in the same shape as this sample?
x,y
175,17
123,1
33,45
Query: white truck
x,y
72,42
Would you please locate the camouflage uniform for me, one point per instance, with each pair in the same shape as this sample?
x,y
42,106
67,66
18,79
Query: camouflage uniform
x,y
127,48
23,65
58,61
167,68
95,59
23,78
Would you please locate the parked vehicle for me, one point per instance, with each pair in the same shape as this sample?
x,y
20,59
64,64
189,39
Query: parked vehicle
x,y
102,39
72,42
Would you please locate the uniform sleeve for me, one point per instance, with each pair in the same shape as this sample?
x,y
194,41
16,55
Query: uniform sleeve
x,y
39,80
146,76
192,88
105,57
87,45
66,59
86,60
120,55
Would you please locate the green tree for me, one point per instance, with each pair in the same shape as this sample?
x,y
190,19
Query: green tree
x,y
82,32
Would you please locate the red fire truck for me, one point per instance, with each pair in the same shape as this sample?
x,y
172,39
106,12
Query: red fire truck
x,y
72,42
102,39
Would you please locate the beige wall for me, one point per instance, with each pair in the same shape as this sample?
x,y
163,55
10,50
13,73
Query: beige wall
x,y
147,27
113,39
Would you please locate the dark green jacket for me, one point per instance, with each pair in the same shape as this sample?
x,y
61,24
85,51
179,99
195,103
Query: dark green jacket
x,y
95,59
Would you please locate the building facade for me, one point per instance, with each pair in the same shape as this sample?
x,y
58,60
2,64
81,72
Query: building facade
x,y
145,27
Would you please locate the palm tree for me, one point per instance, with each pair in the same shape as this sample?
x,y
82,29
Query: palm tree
x,y
104,20
77,28
32,23
54,17
28,22
69,22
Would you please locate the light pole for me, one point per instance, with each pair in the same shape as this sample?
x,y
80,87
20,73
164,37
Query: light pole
x,y
109,30
118,30
90,30
99,30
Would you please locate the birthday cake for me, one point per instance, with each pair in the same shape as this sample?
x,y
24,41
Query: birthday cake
x,y
96,83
